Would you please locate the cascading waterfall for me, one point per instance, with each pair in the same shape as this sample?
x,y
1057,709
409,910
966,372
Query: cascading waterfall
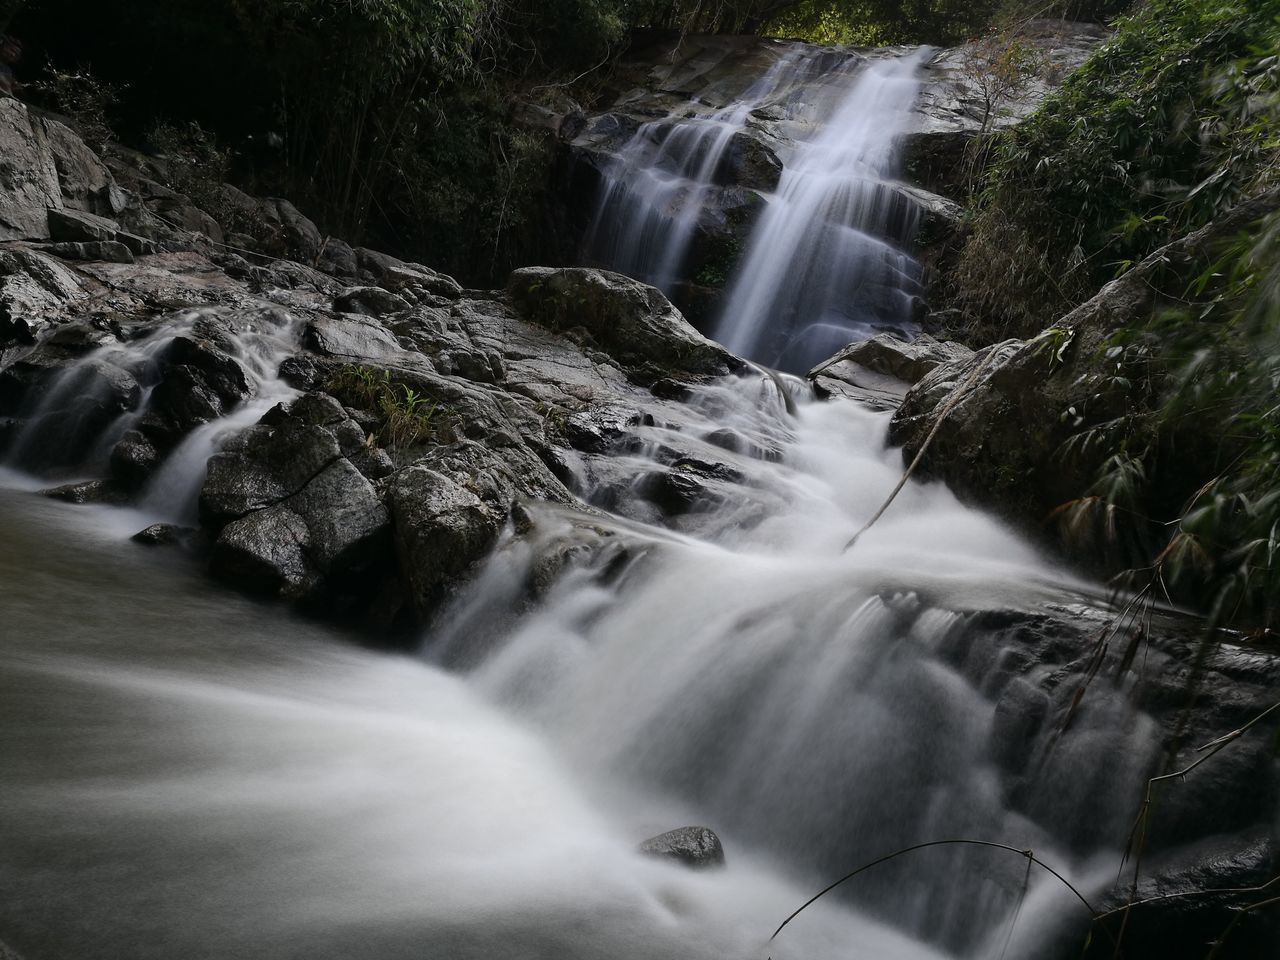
x,y
826,263
818,708
821,709
656,188
76,421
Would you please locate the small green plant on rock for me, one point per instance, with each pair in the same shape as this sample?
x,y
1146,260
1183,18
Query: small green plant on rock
x,y
407,417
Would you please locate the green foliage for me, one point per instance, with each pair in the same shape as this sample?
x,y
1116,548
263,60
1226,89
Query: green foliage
x,y
1157,134
880,22
1224,378
406,417
197,165
82,98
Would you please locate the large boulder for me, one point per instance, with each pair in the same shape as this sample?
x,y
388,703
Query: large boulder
x,y
1016,405
34,292
881,369
441,529
28,174
84,181
630,321
294,515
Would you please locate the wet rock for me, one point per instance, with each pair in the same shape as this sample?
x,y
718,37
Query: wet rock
x,y
696,847
562,117
864,364
951,110
73,226
110,251
263,466
1182,922
207,357
346,520
370,301
34,291
350,337
84,181
89,491
632,322
265,552
163,535
290,234
440,530
397,275
28,174
294,515
133,459
338,259
88,397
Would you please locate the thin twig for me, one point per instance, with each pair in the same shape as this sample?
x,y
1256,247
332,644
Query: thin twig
x,y
958,396
1031,858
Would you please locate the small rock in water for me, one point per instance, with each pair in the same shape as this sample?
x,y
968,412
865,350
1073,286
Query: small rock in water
x,y
162,535
88,491
696,847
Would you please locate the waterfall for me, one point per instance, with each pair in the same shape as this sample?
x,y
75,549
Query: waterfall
x,y
656,188
72,426
819,708
826,263
193,774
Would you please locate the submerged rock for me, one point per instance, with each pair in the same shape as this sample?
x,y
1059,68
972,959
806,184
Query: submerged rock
x,y
696,847
163,535
89,491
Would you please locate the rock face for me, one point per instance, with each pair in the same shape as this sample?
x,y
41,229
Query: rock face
x,y
695,847
386,421
632,322
953,109
1003,446
881,370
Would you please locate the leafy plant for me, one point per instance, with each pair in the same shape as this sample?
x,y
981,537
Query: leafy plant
x,y
1156,135
407,417
196,164
83,98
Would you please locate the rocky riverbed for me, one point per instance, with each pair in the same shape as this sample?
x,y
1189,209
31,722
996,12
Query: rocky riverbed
x,y
354,434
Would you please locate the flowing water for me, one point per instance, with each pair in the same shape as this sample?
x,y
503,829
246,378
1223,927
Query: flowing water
x,y
655,190
826,263
189,774
828,260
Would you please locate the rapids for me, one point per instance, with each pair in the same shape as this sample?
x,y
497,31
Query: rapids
x,y
191,774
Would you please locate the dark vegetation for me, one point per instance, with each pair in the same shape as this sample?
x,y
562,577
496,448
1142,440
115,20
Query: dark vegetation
x,y
390,121
1175,122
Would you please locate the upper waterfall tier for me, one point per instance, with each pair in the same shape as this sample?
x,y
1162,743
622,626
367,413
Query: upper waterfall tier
x,y
774,189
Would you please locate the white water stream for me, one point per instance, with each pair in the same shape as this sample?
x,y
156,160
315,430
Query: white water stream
x,y
188,774
826,264
655,190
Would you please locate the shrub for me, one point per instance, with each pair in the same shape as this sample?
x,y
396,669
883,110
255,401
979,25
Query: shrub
x,y
1147,141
